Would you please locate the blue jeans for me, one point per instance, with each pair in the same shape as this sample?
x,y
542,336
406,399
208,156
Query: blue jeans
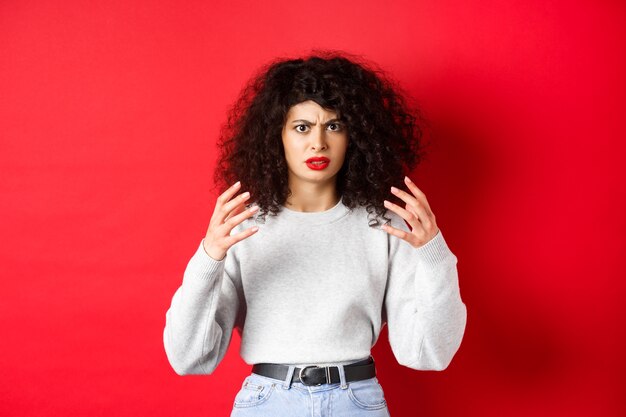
x,y
264,396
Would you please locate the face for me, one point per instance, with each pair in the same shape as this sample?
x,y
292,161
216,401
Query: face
x,y
312,131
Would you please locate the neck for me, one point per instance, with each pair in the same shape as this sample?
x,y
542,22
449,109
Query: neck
x,y
309,197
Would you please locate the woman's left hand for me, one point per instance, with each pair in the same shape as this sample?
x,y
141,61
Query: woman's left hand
x,y
417,213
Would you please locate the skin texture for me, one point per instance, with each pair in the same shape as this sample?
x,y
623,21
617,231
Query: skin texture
x,y
310,130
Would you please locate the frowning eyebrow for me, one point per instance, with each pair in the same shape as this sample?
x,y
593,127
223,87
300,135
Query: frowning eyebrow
x,y
311,123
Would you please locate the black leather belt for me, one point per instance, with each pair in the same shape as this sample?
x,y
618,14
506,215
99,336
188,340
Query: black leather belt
x,y
318,375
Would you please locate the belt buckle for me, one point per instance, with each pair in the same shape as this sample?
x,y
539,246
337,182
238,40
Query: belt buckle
x,y
313,366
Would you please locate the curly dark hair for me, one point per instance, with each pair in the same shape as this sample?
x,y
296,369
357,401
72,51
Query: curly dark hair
x,y
384,135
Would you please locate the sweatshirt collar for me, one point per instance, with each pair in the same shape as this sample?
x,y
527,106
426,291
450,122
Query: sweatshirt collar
x,y
315,217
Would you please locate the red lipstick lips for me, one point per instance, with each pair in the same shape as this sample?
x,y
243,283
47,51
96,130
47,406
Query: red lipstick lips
x,y
317,162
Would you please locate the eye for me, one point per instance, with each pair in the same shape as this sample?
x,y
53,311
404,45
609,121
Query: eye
x,y
337,128
297,126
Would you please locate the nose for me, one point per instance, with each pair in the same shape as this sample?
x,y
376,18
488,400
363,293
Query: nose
x,y
318,140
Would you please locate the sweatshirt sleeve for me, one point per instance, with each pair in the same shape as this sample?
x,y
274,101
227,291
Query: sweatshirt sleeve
x,y
423,309
203,312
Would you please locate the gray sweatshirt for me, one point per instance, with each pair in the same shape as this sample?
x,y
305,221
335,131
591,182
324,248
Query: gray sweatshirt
x,y
316,288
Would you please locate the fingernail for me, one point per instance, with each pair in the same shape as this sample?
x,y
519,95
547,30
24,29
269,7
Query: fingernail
x,y
245,195
254,208
408,179
237,184
394,189
386,202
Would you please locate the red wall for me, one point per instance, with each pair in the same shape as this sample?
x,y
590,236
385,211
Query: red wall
x,y
109,112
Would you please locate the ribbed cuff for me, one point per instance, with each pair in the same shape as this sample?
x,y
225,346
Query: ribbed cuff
x,y
434,251
202,265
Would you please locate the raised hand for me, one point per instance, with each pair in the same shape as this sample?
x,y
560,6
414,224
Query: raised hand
x,y
417,213
228,213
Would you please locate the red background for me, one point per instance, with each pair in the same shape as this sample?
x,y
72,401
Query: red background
x,y
109,116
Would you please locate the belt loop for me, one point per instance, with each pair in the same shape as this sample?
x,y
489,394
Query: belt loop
x,y
342,377
288,379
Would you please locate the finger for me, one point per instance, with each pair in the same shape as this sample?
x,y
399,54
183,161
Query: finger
x,y
226,208
223,198
227,195
419,194
231,240
398,233
404,196
235,220
411,218
420,211
240,207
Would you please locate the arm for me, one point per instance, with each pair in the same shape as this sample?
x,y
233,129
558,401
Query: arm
x,y
203,312
423,309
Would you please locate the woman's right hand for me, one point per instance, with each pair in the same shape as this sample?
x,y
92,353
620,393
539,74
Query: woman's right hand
x,y
227,214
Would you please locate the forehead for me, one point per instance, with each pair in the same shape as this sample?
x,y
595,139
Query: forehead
x,y
309,108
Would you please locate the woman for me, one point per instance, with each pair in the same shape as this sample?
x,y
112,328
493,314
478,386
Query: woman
x,y
310,272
